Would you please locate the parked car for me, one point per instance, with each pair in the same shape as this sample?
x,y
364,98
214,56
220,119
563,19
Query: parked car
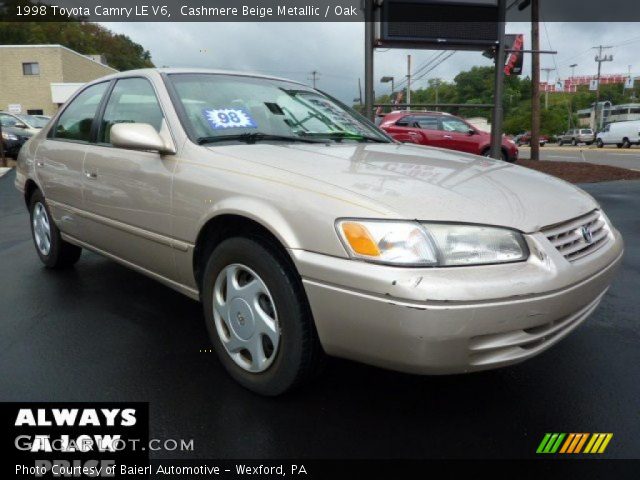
x,y
28,123
621,134
524,138
576,136
304,230
437,129
12,140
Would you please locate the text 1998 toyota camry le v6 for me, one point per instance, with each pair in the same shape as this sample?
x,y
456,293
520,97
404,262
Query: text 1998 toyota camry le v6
x,y
303,229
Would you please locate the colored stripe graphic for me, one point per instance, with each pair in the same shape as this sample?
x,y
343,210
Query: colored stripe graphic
x,y
573,443
550,443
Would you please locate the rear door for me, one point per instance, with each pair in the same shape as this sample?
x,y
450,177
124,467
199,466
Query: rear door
x,y
127,193
403,130
457,136
59,159
431,129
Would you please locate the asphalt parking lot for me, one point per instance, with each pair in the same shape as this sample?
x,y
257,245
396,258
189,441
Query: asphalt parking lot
x,y
100,332
615,157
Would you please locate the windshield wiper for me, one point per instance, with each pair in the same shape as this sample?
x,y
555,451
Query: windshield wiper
x,y
253,138
344,136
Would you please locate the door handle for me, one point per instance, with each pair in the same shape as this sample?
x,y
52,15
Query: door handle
x,y
448,137
414,134
91,175
40,163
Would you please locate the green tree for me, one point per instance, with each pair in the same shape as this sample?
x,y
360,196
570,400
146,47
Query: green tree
x,y
119,50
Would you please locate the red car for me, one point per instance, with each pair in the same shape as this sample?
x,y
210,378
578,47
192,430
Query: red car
x,y
437,129
525,139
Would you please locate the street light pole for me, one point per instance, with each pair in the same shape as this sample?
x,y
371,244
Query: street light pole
x,y
535,80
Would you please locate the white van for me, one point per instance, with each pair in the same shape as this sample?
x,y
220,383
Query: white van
x,y
622,134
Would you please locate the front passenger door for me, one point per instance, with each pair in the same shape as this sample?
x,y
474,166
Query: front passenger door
x,y
127,193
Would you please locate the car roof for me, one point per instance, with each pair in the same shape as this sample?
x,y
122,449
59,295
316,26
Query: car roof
x,y
418,113
151,72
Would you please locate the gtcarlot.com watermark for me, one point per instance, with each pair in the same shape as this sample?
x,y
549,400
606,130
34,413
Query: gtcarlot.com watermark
x,y
98,443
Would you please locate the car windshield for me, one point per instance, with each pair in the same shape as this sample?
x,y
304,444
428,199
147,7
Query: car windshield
x,y
220,107
33,121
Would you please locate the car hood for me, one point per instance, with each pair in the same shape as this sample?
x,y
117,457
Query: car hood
x,y
426,183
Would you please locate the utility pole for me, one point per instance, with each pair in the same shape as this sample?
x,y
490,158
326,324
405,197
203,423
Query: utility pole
x,y
360,90
535,80
599,59
573,76
315,75
408,82
436,84
546,90
369,38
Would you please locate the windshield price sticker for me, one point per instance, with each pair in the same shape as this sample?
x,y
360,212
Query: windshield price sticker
x,y
224,118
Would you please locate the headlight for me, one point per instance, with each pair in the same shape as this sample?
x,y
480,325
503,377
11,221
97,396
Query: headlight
x,y
9,136
430,244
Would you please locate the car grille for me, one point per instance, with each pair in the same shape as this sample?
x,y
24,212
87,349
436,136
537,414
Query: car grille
x,y
571,238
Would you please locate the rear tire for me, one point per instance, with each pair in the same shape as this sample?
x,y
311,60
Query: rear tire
x,y
560,143
619,145
574,142
267,361
626,143
53,251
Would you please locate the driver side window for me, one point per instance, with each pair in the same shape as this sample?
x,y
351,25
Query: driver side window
x,y
75,122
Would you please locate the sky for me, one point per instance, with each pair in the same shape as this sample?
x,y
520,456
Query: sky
x,y
336,51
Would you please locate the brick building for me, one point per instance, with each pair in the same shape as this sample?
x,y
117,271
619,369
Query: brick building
x,y
37,79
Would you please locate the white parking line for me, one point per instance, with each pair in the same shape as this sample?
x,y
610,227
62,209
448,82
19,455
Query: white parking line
x,y
4,170
562,156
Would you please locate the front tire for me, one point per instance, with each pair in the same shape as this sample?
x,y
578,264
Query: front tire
x,y
52,250
599,143
258,316
574,142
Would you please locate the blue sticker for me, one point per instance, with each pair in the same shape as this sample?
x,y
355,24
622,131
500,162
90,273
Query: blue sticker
x,y
223,118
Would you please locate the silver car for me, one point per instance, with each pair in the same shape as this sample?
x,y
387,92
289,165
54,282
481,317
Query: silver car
x,y
304,230
576,136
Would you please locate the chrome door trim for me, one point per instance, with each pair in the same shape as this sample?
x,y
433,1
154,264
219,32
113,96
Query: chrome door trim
x,y
140,232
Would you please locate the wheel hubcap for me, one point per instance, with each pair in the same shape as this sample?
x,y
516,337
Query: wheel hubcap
x,y
41,229
245,318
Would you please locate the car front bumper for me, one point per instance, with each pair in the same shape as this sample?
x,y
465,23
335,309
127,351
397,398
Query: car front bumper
x,y
453,320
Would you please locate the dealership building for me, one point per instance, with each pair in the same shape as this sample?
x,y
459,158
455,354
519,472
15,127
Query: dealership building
x,y
37,79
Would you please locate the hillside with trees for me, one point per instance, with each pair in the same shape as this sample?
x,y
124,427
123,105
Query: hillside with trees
x,y
87,38
476,86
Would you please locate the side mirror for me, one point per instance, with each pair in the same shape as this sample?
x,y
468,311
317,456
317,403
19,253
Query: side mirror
x,y
138,136
471,131
20,125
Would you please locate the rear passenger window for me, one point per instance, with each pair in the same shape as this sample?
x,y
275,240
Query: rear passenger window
x,y
428,123
404,122
75,122
132,100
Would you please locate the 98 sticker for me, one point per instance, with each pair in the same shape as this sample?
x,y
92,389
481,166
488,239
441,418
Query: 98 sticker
x,y
223,118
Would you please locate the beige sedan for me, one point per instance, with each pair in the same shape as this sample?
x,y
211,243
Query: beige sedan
x,y
305,230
